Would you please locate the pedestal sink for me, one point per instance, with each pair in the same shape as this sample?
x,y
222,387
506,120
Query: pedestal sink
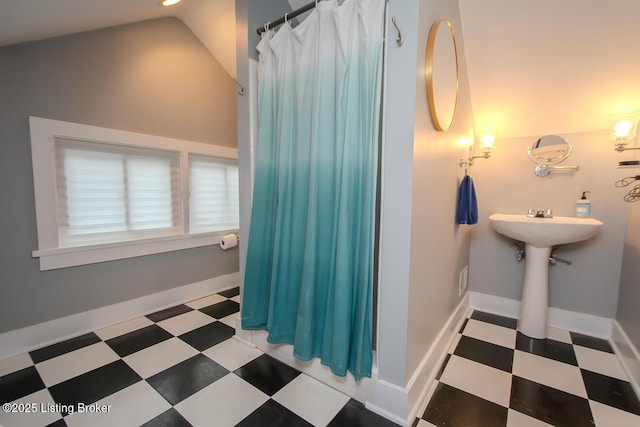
x,y
539,236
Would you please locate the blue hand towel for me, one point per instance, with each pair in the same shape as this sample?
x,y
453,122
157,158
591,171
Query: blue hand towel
x,y
467,211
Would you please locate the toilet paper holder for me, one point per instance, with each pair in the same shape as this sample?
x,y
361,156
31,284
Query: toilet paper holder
x,y
229,241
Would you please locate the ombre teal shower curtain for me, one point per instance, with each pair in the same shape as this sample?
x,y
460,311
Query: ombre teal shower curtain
x,y
309,270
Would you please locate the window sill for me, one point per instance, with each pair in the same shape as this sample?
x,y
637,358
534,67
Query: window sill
x,y
51,259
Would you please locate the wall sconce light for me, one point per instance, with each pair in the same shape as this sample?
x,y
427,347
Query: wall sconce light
x,y
486,143
625,131
170,2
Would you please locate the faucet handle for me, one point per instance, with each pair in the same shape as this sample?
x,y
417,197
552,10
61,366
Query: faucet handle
x,y
531,213
548,213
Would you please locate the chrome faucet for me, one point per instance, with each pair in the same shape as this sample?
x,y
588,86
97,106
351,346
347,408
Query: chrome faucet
x,y
539,213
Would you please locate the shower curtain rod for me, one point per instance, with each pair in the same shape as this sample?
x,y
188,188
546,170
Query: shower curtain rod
x,y
290,15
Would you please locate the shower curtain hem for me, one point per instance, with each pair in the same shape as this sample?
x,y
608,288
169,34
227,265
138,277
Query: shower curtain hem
x,y
358,375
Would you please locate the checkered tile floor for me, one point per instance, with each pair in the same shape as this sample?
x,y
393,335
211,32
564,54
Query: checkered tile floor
x,y
177,367
495,376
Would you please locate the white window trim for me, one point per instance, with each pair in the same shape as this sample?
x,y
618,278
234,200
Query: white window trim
x,y
43,132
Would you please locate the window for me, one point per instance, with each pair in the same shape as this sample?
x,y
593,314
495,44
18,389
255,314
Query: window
x,y
111,193
214,202
104,194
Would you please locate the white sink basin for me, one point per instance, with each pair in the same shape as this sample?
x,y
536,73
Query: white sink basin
x,y
539,236
545,232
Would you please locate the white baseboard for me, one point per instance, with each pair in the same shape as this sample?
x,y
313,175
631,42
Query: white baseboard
x,y
588,324
628,355
241,335
388,400
494,304
558,318
40,335
420,382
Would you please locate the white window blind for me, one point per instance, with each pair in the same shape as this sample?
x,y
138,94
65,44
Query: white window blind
x,y
213,188
112,193
105,194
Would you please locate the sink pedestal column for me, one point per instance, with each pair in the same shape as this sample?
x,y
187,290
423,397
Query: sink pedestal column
x,y
535,293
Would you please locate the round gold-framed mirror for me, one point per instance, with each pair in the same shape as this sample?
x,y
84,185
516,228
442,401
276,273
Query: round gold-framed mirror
x,y
441,72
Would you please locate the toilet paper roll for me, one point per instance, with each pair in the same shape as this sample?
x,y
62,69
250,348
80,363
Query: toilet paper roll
x,y
229,241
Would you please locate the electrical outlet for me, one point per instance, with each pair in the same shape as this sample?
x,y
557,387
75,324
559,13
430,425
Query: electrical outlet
x,y
463,280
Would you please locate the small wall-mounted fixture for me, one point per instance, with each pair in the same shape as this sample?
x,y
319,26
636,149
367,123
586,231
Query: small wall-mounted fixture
x,y
547,152
625,132
400,37
487,141
634,194
170,2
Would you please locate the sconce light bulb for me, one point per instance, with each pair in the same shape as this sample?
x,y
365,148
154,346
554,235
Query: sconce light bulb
x,y
170,2
487,141
623,128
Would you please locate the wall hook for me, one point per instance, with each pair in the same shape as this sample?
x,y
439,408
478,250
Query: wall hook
x,y
400,38
240,87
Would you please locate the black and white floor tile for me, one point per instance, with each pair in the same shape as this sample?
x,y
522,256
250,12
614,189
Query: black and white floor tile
x,y
180,367
177,367
494,376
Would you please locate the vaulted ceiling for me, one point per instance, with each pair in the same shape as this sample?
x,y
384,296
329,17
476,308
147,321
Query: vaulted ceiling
x,y
535,67
212,21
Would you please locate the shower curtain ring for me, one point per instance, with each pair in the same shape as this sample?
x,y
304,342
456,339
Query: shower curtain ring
x,y
286,18
266,27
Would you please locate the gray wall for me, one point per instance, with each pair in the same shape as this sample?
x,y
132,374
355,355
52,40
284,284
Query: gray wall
x,y
153,77
629,295
260,12
422,250
439,247
397,171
